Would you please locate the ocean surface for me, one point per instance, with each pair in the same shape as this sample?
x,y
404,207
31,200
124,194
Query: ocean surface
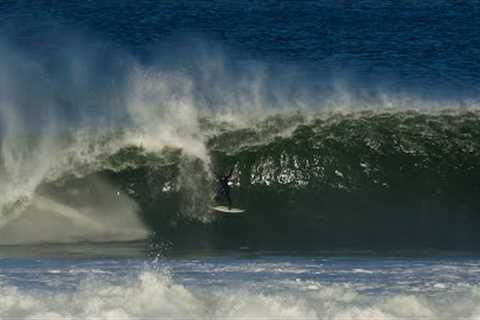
x,y
352,129
81,284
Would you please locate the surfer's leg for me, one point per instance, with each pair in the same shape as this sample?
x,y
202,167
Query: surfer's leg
x,y
229,199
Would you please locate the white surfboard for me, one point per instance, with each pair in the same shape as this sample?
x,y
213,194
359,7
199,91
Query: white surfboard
x,y
224,209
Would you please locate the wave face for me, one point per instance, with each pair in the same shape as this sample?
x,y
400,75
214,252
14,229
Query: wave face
x,y
115,119
362,179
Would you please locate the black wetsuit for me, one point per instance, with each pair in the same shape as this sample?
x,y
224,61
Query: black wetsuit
x,y
224,191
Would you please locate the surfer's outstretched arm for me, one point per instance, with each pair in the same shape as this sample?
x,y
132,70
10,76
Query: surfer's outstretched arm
x,y
231,172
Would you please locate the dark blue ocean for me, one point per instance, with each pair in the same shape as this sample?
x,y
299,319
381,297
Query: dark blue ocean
x,y
427,47
351,128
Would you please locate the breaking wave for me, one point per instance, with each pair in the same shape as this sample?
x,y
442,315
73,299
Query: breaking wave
x,y
152,294
404,178
99,149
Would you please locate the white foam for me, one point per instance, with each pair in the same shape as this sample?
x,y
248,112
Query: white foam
x,y
150,294
359,270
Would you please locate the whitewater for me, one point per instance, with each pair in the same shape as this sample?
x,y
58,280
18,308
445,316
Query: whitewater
x,y
259,286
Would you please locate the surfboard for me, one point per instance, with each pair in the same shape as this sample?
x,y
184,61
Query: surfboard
x,y
224,209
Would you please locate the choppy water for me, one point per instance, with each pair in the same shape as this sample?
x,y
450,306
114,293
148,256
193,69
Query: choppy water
x,y
226,286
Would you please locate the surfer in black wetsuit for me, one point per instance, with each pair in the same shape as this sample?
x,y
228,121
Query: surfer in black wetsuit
x,y
224,190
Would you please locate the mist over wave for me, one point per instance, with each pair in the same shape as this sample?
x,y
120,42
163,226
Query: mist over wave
x,y
99,146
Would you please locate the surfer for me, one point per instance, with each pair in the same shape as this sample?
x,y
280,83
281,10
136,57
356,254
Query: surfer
x,y
224,190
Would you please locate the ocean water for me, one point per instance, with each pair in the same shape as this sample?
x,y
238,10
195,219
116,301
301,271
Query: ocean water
x,y
238,286
353,132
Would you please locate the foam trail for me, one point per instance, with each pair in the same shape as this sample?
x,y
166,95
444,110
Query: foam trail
x,y
49,220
